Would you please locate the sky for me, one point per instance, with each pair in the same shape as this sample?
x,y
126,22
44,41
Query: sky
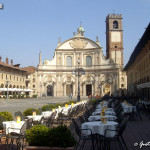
x,y
30,26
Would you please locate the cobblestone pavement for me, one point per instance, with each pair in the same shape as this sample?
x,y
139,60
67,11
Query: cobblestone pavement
x,y
13,105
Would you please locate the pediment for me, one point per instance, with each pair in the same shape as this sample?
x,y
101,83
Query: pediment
x,y
78,43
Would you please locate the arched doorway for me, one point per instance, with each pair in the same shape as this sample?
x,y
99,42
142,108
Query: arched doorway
x,y
69,89
107,89
88,89
50,91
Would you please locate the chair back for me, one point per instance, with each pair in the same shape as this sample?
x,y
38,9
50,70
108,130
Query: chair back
x,y
23,128
76,127
29,123
123,126
81,119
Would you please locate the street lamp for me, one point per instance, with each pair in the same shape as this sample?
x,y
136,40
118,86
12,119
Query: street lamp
x,y
78,71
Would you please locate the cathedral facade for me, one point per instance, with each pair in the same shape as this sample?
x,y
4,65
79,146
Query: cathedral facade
x,y
79,65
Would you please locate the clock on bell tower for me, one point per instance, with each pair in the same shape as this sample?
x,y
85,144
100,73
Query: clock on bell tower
x,y
114,38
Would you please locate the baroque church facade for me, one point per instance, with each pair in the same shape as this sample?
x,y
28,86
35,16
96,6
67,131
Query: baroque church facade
x,y
98,75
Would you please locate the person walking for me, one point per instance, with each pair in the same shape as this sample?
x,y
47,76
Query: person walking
x,y
71,96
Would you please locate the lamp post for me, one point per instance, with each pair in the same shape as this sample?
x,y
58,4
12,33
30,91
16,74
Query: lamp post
x,y
78,71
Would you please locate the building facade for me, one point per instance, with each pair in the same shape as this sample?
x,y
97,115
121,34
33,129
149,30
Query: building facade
x,y
31,80
12,78
98,75
138,67
16,81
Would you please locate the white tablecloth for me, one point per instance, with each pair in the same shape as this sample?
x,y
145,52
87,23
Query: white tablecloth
x,y
108,109
12,124
98,127
128,108
100,106
46,114
106,113
98,117
35,118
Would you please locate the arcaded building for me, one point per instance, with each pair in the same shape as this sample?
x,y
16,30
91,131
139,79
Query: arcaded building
x,y
12,78
99,74
138,67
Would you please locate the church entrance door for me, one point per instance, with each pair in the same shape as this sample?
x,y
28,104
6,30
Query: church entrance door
x,y
107,89
69,89
88,89
50,91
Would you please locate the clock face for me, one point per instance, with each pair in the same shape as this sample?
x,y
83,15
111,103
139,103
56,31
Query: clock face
x,y
115,36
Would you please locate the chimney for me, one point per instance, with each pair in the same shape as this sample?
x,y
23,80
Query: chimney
x,y
0,59
11,62
7,60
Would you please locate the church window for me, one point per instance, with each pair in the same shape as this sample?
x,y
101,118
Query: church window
x,y
69,61
88,61
115,24
122,85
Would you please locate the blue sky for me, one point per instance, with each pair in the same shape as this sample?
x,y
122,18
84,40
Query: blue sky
x,y
30,26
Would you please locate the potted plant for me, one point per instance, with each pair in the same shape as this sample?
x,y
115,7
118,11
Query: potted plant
x,y
41,137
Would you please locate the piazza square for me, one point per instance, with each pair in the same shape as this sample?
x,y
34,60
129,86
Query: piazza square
x,y
75,75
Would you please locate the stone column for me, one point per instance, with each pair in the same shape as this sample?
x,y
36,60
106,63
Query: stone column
x,y
82,59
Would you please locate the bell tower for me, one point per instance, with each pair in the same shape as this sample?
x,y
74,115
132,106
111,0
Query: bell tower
x,y
114,38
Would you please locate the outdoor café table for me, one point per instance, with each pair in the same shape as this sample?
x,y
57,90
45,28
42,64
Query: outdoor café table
x,y
12,124
36,117
106,113
101,106
99,128
98,117
46,114
63,109
128,108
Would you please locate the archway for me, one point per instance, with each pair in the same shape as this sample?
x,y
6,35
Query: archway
x,y
88,89
50,91
69,89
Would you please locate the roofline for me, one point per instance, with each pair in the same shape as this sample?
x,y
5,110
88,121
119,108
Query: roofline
x,y
77,38
144,39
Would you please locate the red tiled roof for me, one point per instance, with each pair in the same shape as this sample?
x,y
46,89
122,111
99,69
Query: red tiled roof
x,y
11,66
30,69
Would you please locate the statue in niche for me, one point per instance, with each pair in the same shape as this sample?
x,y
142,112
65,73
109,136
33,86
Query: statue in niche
x,y
97,59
